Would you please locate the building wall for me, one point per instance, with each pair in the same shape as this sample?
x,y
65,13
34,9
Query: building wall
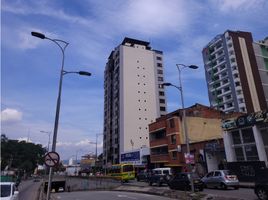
x,y
233,80
133,97
261,53
204,126
137,96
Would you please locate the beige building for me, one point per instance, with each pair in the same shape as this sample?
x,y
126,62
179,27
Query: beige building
x,y
133,97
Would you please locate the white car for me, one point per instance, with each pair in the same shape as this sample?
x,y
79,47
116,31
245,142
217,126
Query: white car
x,y
8,191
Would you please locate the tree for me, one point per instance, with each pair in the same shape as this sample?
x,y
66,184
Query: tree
x,y
21,155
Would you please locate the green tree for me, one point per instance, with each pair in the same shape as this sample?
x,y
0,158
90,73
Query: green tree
x,y
21,155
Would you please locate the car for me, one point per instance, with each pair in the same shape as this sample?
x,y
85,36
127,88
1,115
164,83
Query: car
x,y
9,191
142,175
221,179
182,181
261,184
159,176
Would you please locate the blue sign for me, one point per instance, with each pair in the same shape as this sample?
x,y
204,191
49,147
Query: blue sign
x,y
132,156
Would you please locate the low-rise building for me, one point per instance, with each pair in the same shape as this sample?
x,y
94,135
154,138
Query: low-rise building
x,y
246,143
167,139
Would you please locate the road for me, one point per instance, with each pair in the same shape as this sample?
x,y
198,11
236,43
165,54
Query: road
x,y
242,193
28,190
104,195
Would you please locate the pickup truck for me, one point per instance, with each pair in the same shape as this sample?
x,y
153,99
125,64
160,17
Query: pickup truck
x,y
159,176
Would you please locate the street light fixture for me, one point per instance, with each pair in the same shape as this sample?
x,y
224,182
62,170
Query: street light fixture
x,y
180,67
62,45
49,133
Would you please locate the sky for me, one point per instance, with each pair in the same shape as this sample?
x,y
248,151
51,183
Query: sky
x,y
30,66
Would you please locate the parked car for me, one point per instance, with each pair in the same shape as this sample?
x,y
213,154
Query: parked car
x,y
9,191
159,176
142,175
261,184
182,181
221,179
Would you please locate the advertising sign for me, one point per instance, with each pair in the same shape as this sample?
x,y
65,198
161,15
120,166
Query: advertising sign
x,y
189,158
133,157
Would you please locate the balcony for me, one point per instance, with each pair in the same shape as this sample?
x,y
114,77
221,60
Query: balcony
x,y
159,142
160,158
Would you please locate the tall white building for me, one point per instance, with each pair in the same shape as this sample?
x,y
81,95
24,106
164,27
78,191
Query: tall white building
x,y
133,97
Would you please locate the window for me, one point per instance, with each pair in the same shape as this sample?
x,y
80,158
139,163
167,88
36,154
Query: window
x,y
244,145
159,65
158,58
161,93
236,137
174,155
160,86
162,100
159,71
237,83
162,108
248,136
171,123
160,79
173,139
217,173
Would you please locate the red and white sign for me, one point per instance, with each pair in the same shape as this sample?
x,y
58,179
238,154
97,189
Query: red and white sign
x,y
52,159
189,158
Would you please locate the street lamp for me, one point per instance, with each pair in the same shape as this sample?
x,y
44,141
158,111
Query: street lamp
x,y
96,143
49,133
180,67
62,45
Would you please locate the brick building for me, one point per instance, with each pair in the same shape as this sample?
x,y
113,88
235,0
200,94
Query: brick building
x,y
167,141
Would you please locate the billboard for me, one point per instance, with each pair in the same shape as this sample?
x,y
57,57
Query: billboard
x,y
131,157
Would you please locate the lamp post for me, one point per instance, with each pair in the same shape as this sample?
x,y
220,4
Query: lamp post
x,y
180,67
49,133
62,45
96,143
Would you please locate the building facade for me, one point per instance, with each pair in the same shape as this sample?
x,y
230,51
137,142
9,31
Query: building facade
x,y
261,53
134,97
167,140
246,144
232,74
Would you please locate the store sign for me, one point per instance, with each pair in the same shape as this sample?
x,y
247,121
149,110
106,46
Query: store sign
x,y
133,157
246,120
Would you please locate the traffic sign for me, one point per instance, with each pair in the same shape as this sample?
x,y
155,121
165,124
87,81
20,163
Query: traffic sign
x,y
52,159
189,158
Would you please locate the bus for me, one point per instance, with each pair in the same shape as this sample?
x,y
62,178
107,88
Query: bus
x,y
123,172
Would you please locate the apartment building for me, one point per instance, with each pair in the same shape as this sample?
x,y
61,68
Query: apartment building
x,y
233,79
134,97
167,139
261,53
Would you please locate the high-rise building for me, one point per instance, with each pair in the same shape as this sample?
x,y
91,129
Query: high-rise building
x,y
261,53
134,97
232,75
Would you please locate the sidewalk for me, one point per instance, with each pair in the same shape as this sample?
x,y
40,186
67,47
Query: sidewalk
x,y
247,184
176,194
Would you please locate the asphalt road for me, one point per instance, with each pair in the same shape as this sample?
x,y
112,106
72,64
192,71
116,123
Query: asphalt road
x,y
28,190
104,195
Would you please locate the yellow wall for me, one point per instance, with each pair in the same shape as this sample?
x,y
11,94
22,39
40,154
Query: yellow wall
x,y
200,129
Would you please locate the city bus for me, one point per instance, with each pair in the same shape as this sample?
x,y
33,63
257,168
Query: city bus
x,y
123,172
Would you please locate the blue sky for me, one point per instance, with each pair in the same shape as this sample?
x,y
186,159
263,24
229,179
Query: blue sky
x,y
30,67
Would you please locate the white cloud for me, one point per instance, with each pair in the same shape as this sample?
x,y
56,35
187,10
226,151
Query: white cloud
x,y
11,115
24,139
233,5
154,17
